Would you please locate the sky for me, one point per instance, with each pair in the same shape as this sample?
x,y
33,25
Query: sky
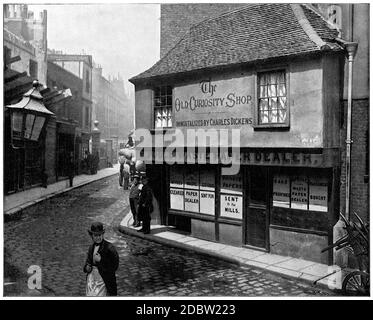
x,y
123,38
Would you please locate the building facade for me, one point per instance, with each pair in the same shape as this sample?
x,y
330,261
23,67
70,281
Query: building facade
x,y
112,110
353,23
264,83
68,120
26,36
75,72
29,163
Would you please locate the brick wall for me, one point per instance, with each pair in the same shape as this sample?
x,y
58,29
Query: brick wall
x,y
359,197
176,19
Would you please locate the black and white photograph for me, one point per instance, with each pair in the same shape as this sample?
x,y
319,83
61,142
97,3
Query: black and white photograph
x,y
186,150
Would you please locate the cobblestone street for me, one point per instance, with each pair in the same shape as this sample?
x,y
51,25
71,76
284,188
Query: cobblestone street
x,y
53,235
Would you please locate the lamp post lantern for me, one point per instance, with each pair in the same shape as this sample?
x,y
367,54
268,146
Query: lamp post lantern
x,y
29,116
25,159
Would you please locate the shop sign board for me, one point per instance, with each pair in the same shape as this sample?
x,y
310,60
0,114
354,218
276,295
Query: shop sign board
x,y
281,188
231,206
207,202
191,200
231,184
318,194
299,193
215,103
281,158
176,199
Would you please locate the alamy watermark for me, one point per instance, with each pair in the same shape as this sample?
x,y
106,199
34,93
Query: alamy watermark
x,y
190,146
34,281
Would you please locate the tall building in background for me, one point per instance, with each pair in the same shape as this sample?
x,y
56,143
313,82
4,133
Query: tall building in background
x,y
78,68
112,109
26,36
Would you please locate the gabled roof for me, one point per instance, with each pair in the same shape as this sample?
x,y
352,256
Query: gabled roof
x,y
253,33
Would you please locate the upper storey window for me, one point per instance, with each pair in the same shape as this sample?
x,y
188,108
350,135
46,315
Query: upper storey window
x,y
162,107
272,108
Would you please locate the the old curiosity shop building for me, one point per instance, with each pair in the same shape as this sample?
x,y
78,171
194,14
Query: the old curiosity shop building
x,y
275,72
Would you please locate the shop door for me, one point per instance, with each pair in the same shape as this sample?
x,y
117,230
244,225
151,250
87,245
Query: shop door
x,y
257,209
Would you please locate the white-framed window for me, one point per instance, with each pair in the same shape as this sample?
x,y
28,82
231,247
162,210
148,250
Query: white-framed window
x,y
162,103
272,102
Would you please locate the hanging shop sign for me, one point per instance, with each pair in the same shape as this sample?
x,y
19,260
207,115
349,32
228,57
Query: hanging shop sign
x,y
318,194
299,193
281,194
214,103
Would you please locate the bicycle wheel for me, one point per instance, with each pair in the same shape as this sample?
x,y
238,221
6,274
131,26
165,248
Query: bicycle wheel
x,y
356,283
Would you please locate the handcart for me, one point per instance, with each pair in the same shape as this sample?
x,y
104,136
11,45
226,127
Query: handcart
x,y
357,282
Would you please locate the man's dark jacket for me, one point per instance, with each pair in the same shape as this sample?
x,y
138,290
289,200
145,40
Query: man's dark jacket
x,y
145,202
107,266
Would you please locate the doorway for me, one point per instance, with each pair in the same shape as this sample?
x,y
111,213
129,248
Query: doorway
x,y
257,208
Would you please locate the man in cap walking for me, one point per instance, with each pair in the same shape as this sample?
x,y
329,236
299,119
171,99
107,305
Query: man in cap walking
x,y
101,263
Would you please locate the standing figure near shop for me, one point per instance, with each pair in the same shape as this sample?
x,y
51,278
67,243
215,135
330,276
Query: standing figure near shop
x,y
71,168
134,200
126,177
101,264
121,160
145,205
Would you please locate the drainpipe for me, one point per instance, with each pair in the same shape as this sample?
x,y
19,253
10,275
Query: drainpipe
x,y
351,48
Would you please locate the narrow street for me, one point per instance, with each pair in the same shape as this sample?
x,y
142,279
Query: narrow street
x,y
53,235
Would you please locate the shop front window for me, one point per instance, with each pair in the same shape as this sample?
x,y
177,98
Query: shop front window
x,y
162,107
192,189
301,192
231,192
272,107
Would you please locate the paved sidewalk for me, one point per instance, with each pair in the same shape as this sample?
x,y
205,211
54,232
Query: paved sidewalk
x,y
14,204
302,270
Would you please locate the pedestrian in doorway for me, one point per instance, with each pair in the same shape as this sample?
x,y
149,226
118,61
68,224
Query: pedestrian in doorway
x,y
145,205
101,263
71,168
134,200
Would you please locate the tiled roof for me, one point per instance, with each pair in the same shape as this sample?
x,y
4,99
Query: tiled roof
x,y
252,33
